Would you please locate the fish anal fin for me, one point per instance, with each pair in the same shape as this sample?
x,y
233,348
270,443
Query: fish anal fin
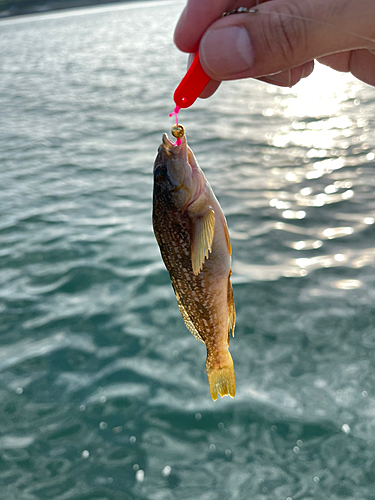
x,y
231,308
221,378
185,316
203,235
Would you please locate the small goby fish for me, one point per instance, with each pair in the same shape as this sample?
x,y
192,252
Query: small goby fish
x,y
193,237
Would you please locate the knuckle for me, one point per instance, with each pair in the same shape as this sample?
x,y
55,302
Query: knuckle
x,y
289,30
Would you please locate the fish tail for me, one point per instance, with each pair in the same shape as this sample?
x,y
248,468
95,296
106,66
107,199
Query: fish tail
x,y
221,376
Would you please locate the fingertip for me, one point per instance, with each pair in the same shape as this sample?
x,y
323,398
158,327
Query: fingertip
x,y
307,69
195,19
183,35
291,77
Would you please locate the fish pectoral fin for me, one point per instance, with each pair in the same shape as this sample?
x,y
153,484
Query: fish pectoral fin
x,y
203,235
185,316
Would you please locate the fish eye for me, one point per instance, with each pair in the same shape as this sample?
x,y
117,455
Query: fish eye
x,y
160,171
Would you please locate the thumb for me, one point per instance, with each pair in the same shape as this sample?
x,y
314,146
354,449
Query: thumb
x,y
281,34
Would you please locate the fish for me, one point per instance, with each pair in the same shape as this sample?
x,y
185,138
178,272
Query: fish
x,y
193,237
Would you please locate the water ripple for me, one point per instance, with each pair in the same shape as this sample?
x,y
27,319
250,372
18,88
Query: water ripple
x,y
103,391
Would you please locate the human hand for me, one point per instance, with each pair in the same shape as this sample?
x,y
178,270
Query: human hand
x,y
280,40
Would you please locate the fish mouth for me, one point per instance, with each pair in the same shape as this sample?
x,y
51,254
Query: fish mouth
x,y
167,142
170,147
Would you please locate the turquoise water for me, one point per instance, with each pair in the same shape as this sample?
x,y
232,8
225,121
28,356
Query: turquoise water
x,y
103,390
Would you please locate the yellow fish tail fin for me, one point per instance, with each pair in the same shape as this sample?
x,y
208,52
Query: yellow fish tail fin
x,y
221,377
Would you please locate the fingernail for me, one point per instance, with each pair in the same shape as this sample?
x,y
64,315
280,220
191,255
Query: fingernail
x,y
227,51
190,60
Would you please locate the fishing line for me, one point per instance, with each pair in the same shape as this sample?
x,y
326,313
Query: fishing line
x,y
245,10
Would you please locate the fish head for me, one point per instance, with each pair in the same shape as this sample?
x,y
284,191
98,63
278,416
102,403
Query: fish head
x,y
176,173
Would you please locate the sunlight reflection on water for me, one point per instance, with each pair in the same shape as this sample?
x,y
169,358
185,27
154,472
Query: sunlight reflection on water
x,y
324,122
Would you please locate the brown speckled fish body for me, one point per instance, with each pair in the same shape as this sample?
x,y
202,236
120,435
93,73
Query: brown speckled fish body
x,y
192,234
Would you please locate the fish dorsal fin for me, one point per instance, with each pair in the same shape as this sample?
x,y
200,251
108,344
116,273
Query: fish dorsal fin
x,y
189,324
231,308
203,235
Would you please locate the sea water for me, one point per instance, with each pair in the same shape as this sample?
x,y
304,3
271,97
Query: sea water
x,y
103,390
